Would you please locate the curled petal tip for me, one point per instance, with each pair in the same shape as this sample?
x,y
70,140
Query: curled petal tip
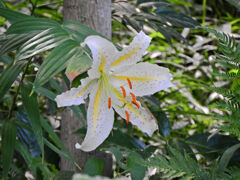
x,y
77,146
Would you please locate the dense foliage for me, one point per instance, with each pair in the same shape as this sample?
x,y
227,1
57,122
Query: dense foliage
x,y
198,119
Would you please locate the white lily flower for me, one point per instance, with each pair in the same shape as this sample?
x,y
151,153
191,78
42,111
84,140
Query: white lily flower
x,y
113,82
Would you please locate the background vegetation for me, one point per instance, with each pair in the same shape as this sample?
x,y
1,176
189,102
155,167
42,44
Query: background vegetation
x,y
198,119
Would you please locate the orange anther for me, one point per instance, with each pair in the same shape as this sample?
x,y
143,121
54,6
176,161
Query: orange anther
x,y
136,103
109,103
129,83
133,97
123,91
127,116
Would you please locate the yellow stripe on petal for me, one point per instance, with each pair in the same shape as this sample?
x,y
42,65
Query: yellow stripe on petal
x,y
83,90
133,78
128,104
126,56
96,106
103,63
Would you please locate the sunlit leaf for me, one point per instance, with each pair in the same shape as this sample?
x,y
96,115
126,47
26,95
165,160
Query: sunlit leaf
x,y
43,41
31,25
77,66
57,61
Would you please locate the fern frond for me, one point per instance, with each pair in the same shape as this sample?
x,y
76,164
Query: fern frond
x,y
227,45
177,165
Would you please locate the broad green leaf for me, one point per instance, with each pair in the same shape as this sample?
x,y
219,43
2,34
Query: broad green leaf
x,y
31,25
13,41
64,175
9,132
5,59
118,155
79,31
226,157
57,61
136,170
13,16
37,162
31,106
94,166
45,92
9,75
43,41
77,66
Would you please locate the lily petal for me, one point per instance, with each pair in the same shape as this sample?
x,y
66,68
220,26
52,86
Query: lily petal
x,y
139,117
103,52
146,78
134,52
76,96
100,119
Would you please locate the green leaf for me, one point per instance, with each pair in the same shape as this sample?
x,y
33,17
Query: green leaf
x,y
9,75
56,140
57,61
118,155
31,25
13,16
43,41
78,31
78,66
26,155
37,162
136,170
226,157
30,104
94,166
13,41
9,132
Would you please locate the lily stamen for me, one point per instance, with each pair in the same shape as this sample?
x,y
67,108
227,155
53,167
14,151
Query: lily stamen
x,y
134,101
133,96
123,91
127,116
129,83
109,103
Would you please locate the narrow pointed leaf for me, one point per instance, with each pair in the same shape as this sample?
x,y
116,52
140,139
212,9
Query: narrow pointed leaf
x,y
43,41
13,16
79,31
31,25
57,61
8,144
13,41
78,66
226,157
9,75
31,106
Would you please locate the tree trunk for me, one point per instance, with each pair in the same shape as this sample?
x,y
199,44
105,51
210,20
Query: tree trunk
x,y
97,15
